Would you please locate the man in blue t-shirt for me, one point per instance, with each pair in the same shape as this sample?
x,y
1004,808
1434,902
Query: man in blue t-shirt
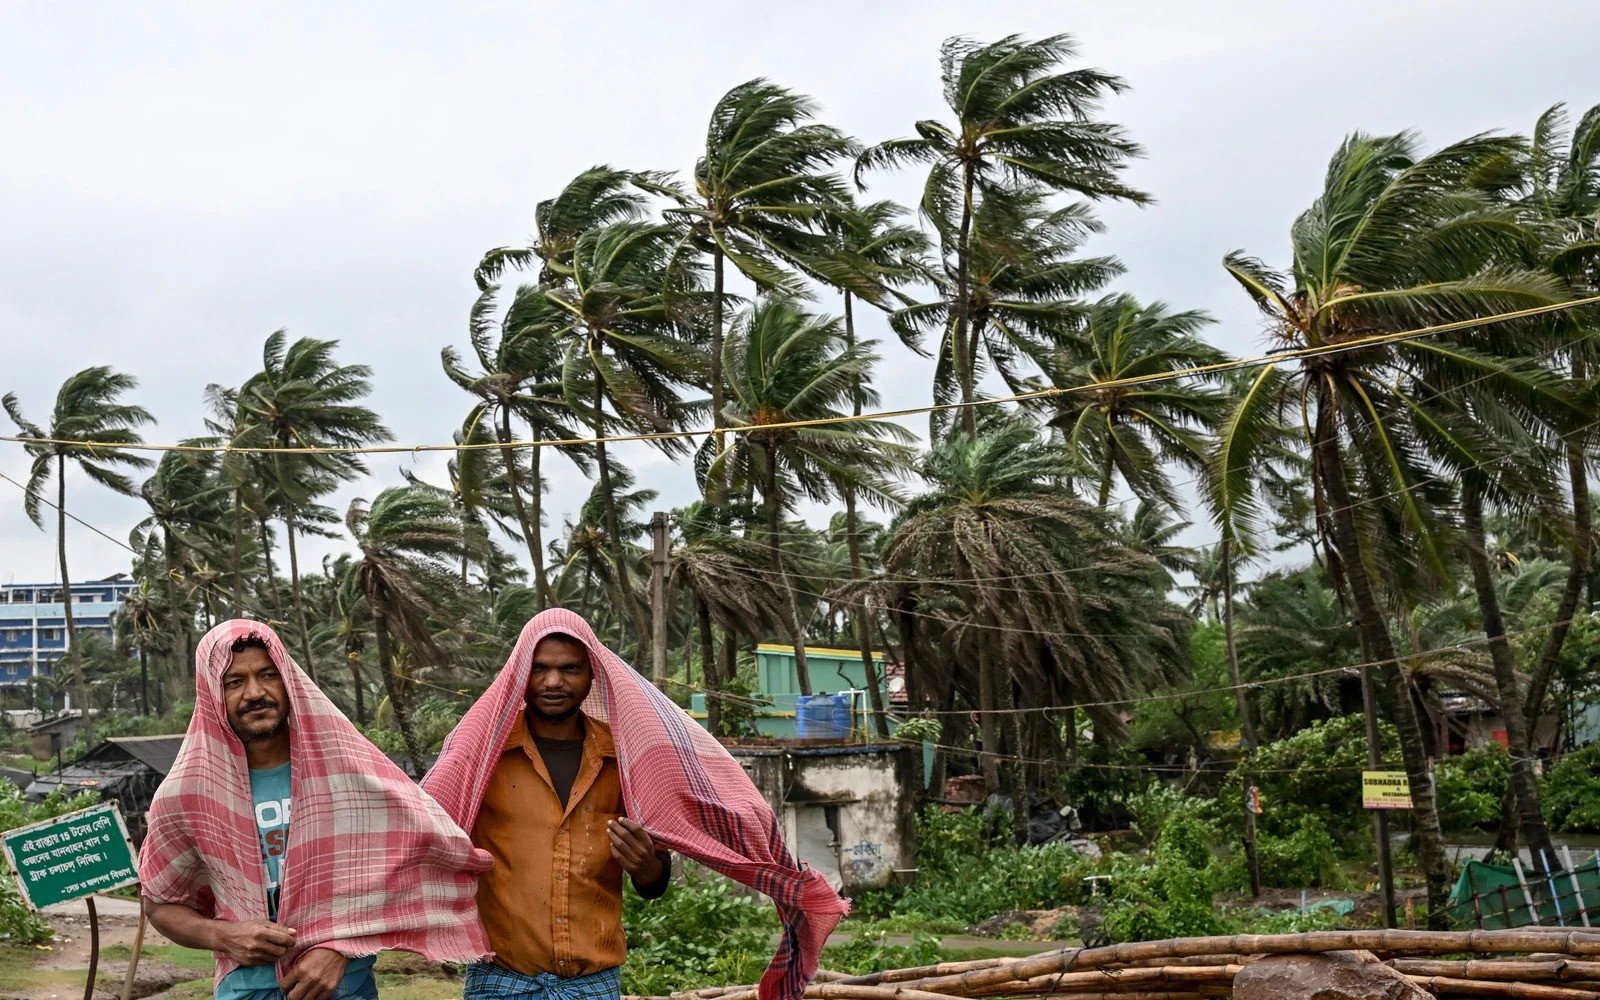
x,y
257,705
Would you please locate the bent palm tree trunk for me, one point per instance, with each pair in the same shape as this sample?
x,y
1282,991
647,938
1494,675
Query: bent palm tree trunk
x,y
1524,783
1370,621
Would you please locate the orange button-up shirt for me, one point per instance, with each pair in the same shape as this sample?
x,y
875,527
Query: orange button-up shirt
x,y
553,900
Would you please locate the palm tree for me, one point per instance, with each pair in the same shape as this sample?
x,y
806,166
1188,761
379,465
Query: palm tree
x,y
597,197
302,398
407,541
994,514
1559,192
187,504
762,200
1139,430
1023,297
725,576
88,409
519,375
619,322
139,626
888,255
348,627
782,366
587,557
480,491
1395,241
1018,121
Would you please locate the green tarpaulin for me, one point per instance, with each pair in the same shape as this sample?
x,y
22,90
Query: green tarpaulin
x,y
1490,897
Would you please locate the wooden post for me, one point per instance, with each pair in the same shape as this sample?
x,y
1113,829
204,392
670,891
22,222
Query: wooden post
x,y
1380,817
94,946
1477,900
133,959
658,598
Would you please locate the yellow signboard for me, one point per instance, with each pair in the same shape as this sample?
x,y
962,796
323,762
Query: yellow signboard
x,y
1385,790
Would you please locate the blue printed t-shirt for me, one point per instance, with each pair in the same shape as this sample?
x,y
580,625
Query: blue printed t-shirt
x,y
269,793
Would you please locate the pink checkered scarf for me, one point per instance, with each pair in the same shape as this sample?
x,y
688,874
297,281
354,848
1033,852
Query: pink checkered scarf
x,y
677,781
373,863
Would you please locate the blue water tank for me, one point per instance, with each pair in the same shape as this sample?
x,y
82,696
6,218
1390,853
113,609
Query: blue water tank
x,y
822,717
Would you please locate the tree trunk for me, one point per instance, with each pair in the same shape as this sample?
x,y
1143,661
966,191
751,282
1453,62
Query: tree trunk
x,y
352,659
1370,620
536,518
238,552
852,527
183,616
299,603
1577,573
1524,782
963,364
269,584
641,632
708,666
391,685
71,657
774,505
1107,469
1247,726
508,455
144,681
718,395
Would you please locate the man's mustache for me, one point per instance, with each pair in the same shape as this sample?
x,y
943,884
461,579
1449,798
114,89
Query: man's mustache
x,y
250,706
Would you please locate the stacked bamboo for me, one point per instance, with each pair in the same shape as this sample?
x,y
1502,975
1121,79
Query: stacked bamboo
x,y
1527,964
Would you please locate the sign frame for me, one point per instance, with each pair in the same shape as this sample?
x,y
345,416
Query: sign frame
x,y
120,834
1386,790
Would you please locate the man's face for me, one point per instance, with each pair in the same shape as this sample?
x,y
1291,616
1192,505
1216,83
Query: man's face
x,y
254,695
560,679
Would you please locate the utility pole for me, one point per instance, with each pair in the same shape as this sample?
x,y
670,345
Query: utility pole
x,y
1247,726
1380,817
658,598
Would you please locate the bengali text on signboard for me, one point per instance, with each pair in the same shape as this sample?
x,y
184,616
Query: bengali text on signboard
x,y
71,856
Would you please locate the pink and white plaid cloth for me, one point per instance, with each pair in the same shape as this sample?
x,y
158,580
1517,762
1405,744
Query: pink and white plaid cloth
x,y
372,862
677,781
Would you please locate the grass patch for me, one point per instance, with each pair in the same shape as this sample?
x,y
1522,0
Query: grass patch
x,y
184,958
19,971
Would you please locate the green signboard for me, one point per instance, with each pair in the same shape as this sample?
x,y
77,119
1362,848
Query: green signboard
x,y
71,856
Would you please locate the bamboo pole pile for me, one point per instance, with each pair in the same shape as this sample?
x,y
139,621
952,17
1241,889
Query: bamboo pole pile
x,y
1526,964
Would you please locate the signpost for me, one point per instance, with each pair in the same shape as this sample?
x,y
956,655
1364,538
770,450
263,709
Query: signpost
x,y
1385,790
73,857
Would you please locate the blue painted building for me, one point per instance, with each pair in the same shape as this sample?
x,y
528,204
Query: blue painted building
x,y
33,624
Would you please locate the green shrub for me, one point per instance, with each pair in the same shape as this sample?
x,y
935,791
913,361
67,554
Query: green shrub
x,y
1155,806
963,877
1472,787
1316,771
18,924
871,951
1571,791
1172,896
1306,858
703,932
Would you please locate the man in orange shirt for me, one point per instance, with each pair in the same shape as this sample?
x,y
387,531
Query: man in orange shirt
x,y
552,816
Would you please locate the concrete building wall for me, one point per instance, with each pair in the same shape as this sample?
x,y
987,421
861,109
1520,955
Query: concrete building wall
x,y
846,810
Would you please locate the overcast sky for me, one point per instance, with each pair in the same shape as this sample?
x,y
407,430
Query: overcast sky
x,y
177,180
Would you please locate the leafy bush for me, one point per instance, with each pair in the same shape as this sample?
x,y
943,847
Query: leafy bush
x,y
870,951
1306,858
1471,788
703,932
18,924
962,877
1172,896
1571,791
1155,806
1316,771
1290,921
432,720
1101,790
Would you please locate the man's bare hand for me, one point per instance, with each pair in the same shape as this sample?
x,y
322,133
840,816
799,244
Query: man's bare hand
x,y
254,942
315,976
634,850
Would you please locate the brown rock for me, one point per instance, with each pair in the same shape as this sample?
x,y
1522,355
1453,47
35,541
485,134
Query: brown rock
x,y
1336,975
